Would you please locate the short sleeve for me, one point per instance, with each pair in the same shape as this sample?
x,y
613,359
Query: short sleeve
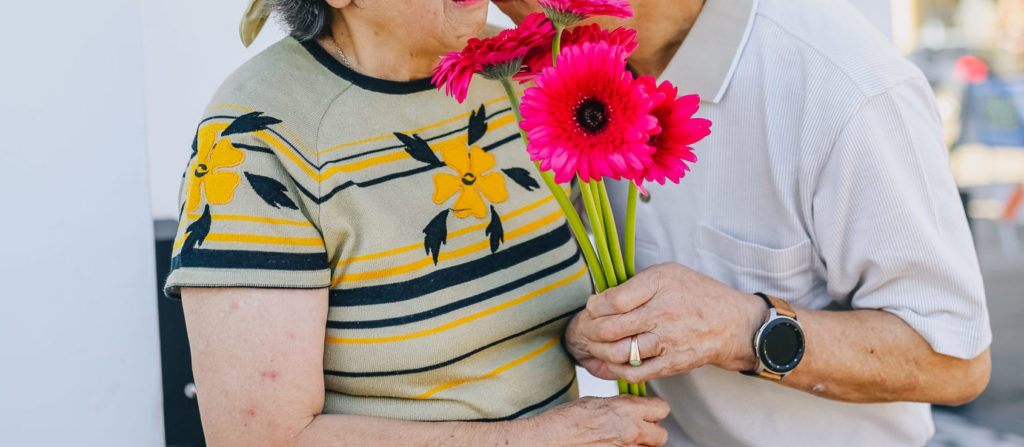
x,y
890,226
246,219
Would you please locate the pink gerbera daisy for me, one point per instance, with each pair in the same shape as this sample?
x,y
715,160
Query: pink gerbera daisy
x,y
587,116
564,13
679,130
497,57
540,57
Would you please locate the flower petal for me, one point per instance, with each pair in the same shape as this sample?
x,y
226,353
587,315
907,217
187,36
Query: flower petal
x,y
195,189
205,139
456,157
220,187
492,186
225,155
479,161
445,185
470,203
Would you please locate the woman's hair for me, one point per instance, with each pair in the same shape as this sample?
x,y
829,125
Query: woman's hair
x,y
305,19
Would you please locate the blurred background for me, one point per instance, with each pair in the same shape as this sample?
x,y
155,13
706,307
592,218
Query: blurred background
x,y
108,97
972,52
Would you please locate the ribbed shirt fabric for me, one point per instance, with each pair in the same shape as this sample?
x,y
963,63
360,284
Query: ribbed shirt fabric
x,y
824,182
452,272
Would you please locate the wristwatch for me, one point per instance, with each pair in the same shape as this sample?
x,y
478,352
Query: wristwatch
x,y
779,343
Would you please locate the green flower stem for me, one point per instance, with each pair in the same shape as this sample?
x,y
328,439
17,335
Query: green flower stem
x,y
597,224
613,232
631,230
600,210
600,282
634,389
623,386
556,45
630,247
513,99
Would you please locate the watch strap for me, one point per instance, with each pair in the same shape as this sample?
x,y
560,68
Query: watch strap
x,y
781,306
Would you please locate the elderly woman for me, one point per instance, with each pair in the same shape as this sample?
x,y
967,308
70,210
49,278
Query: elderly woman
x,y
363,261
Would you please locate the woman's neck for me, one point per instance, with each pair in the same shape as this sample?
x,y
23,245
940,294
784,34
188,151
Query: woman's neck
x,y
661,25
377,53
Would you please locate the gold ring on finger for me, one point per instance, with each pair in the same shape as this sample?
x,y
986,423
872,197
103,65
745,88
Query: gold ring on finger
x,y
634,351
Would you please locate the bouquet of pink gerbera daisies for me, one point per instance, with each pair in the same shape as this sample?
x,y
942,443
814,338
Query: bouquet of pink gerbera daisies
x,y
588,118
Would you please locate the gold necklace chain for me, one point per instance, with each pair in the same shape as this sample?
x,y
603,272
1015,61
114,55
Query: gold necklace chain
x,y
341,54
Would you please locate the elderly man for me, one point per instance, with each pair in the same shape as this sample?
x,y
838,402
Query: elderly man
x,y
821,223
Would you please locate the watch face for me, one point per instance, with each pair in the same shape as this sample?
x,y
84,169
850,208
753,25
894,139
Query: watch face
x,y
781,345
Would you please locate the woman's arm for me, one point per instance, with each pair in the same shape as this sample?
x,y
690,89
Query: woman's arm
x,y
257,355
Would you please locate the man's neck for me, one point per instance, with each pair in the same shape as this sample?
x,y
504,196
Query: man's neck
x,y
662,25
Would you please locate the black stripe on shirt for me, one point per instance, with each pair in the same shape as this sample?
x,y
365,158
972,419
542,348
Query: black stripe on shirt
x,y
386,178
244,259
347,157
453,306
530,408
452,360
401,146
452,276
249,147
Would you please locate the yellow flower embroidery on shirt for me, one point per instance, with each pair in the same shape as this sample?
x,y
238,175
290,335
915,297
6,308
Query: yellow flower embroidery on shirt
x,y
471,182
205,174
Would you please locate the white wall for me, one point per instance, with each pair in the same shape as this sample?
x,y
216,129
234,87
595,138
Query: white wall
x,y
190,47
79,356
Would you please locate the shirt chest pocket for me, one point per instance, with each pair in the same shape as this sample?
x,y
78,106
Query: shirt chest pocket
x,y
748,267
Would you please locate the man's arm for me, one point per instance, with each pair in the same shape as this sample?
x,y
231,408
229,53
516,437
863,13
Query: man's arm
x,y
866,356
687,320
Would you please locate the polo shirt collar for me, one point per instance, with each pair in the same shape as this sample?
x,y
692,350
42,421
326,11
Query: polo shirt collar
x,y
707,58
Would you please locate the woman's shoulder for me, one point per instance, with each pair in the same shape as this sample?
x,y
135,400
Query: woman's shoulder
x,y
283,77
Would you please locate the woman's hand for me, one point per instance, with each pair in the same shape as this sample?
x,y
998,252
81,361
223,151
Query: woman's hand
x,y
590,421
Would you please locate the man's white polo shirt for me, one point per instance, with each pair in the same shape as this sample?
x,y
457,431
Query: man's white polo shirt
x,y
825,182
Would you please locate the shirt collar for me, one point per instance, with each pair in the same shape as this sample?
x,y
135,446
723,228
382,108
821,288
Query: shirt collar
x,y
707,58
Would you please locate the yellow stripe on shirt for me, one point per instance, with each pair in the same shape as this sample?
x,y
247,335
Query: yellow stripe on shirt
x,y
452,235
460,321
402,155
258,239
282,126
550,344
242,218
432,126
445,256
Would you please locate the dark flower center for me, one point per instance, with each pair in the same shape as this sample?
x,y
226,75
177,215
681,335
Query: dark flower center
x,y
201,170
468,179
592,116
